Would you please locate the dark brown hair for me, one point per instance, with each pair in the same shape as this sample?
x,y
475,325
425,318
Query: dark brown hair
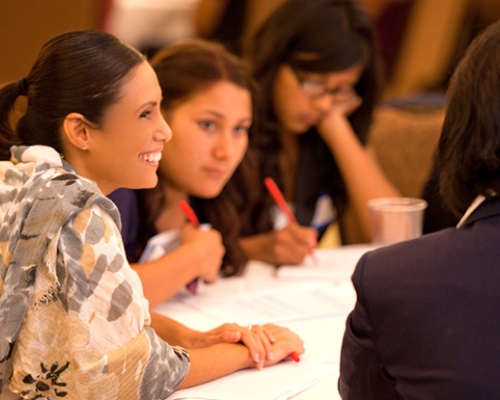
x,y
468,157
78,71
185,69
340,34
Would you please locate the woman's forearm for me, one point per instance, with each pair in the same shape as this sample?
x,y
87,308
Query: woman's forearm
x,y
363,177
172,331
216,361
163,277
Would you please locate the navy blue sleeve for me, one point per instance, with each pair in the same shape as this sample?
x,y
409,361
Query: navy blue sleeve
x,y
362,375
126,201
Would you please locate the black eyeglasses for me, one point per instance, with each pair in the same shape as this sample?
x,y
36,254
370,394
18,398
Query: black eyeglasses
x,y
315,89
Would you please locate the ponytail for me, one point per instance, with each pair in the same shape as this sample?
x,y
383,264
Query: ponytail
x,y
8,96
79,71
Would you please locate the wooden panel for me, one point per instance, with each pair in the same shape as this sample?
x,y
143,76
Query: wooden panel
x,y
25,25
432,34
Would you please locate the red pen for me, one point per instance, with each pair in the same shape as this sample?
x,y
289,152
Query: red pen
x,y
294,356
193,219
189,213
280,201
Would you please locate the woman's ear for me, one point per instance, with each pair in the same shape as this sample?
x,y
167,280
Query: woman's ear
x,y
75,128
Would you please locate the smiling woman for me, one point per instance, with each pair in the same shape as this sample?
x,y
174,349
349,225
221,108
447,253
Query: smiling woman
x,y
133,128
74,321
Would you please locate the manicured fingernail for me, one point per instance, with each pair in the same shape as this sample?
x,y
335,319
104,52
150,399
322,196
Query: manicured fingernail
x,y
270,355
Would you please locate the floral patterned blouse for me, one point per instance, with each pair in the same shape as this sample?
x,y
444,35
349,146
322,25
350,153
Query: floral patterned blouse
x,y
73,317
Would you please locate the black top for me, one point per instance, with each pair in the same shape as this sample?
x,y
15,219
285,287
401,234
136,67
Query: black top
x,y
425,325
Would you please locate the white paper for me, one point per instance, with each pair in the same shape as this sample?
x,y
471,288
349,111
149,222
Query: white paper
x,y
279,382
336,265
294,302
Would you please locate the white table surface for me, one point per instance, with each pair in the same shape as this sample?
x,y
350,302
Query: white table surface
x,y
322,336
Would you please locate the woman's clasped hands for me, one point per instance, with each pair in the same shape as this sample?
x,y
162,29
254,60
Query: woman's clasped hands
x,y
267,344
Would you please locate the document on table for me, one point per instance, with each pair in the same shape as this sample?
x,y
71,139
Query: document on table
x,y
294,302
279,382
335,265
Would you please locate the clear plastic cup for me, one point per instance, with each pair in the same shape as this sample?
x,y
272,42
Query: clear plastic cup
x,y
394,219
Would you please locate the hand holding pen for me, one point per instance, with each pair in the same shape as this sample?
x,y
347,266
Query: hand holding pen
x,y
204,248
280,201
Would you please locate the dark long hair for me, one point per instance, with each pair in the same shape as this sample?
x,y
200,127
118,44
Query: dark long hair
x,y
79,71
185,69
230,28
468,156
341,34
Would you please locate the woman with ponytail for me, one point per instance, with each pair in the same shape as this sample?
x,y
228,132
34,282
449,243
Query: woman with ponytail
x,y
74,321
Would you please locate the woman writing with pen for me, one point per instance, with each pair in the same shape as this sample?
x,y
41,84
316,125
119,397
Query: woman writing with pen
x,y
317,67
208,102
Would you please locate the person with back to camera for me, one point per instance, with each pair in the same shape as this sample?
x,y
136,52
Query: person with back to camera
x,y
317,67
425,324
74,322
208,97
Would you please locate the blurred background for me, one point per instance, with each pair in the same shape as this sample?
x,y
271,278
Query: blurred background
x,y
420,43
420,40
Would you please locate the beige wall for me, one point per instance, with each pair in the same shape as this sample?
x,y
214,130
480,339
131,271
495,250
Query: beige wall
x,y
25,25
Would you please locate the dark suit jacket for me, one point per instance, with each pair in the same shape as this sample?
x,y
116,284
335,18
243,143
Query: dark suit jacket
x,y
426,324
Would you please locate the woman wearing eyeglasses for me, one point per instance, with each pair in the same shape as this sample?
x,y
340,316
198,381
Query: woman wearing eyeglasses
x,y
319,76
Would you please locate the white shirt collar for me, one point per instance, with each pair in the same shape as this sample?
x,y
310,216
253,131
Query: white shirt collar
x,y
475,204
